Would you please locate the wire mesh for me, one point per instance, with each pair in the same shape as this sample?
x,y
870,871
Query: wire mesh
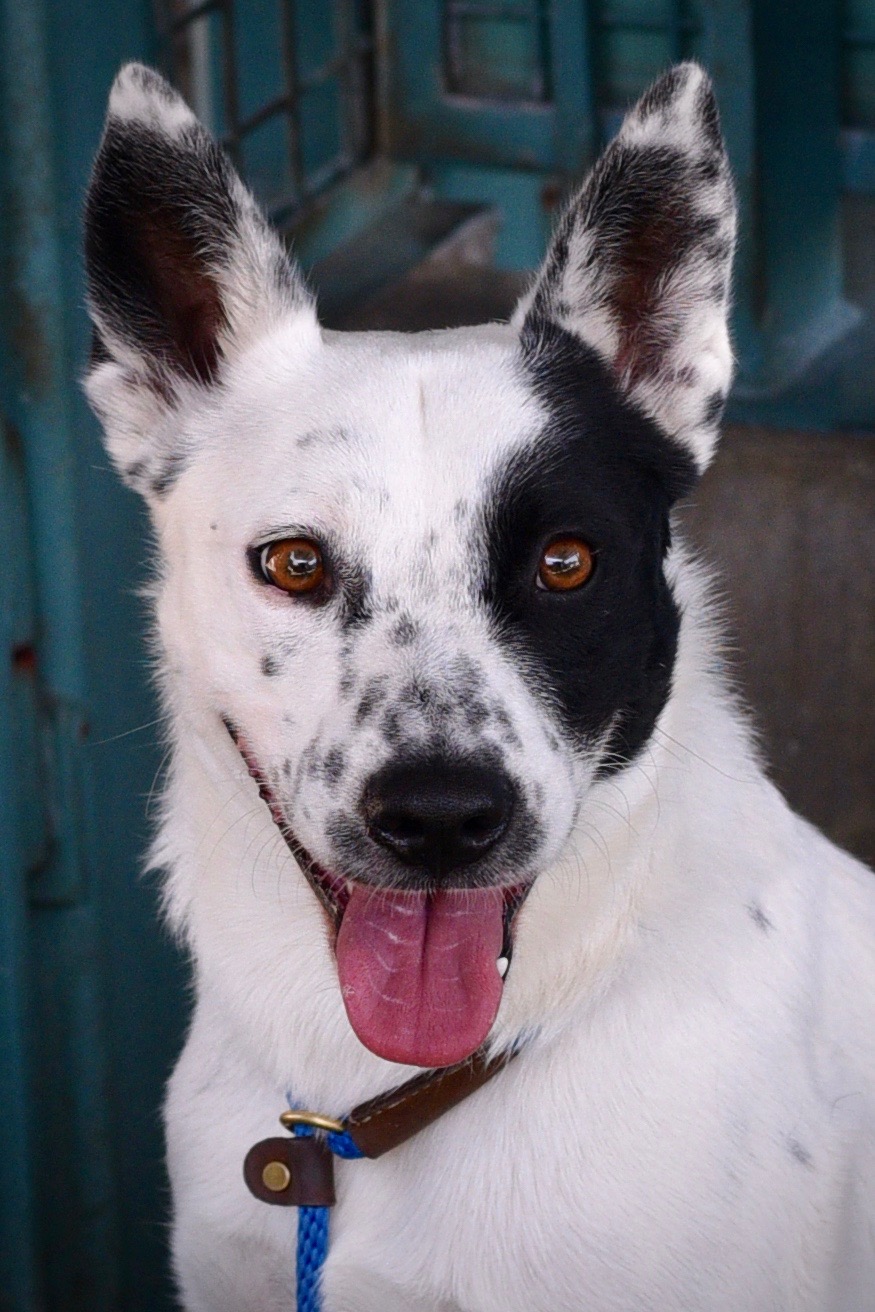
x,y
287,87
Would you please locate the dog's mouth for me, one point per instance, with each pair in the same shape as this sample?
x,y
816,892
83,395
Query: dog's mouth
x,y
421,971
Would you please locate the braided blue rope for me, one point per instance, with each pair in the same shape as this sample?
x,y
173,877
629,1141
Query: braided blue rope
x,y
313,1228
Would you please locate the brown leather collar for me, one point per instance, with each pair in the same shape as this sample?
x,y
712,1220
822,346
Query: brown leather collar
x,y
385,1122
298,1172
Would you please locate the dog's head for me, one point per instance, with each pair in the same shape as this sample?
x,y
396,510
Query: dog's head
x,y
418,578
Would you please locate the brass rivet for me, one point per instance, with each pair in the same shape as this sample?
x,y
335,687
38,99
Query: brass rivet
x,y
276,1177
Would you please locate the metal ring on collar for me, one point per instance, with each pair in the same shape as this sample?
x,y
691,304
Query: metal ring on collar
x,y
315,1119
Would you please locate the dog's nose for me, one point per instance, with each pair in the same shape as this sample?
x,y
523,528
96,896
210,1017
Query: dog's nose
x,y
438,815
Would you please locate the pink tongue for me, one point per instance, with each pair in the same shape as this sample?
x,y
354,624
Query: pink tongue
x,y
418,971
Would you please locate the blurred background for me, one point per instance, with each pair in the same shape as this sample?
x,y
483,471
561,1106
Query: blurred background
x,y
416,153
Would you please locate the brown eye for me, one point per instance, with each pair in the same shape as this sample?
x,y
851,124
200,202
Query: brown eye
x,y
293,564
567,563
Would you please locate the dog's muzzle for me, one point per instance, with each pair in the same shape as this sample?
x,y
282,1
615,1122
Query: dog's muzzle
x,y
421,964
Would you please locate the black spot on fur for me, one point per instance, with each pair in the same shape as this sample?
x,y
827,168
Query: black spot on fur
x,y
509,734
287,768
714,409
709,169
357,600
333,765
417,695
405,632
135,470
605,473
346,836
98,354
759,917
269,666
391,728
466,677
461,511
709,114
373,697
800,1154
325,437
171,467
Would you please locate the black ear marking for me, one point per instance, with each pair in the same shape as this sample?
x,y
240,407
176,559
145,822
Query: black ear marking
x,y
182,272
176,250
639,266
158,214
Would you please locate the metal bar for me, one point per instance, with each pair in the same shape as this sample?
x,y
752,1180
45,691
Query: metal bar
x,y
18,1258
543,88
229,78
191,16
278,105
359,86
343,37
328,173
470,9
858,161
674,29
335,64
290,70
573,77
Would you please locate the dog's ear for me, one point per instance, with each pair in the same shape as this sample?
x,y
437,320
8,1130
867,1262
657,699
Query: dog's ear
x,y
183,272
640,265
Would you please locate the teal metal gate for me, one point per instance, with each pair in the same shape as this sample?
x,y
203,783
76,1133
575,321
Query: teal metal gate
x,y
352,120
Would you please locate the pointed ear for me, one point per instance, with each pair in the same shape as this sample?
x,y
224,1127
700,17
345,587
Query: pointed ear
x,y
183,272
640,265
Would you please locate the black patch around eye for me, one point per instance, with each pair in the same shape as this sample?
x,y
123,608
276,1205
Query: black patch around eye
x,y
602,472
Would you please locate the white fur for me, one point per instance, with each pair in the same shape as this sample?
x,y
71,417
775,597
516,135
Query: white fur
x,y
690,1123
640,1153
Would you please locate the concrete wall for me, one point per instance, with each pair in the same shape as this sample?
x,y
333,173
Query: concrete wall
x,y
789,518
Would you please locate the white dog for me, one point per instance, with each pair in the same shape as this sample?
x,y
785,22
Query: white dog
x,y
444,690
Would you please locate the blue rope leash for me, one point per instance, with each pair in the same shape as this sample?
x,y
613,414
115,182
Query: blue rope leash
x,y
313,1228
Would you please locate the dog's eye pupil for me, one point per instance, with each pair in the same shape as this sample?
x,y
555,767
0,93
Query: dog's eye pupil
x,y
293,564
566,563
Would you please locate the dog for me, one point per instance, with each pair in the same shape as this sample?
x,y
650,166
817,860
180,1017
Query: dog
x,y
455,768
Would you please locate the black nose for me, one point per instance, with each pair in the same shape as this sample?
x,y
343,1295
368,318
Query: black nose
x,y
436,814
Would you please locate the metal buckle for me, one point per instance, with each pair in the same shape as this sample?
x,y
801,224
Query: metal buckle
x,y
315,1119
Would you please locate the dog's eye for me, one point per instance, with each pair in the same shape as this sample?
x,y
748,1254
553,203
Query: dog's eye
x,y
565,564
293,564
